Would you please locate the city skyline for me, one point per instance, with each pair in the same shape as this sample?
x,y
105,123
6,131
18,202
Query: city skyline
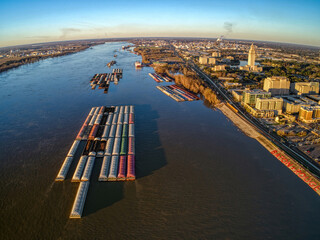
x,y
25,22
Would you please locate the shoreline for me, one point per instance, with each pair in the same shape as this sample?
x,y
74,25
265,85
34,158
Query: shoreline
x,y
287,161
34,59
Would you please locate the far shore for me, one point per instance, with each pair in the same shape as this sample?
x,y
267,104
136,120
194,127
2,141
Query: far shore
x,y
17,62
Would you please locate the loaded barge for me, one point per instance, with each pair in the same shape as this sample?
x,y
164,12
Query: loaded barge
x,y
177,93
67,162
108,133
158,78
103,80
109,64
78,204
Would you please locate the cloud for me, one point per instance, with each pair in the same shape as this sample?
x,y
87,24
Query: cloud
x,y
67,31
228,27
39,37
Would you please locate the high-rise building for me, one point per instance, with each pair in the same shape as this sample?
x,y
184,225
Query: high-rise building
x,y
203,60
237,94
316,112
252,56
305,88
275,103
305,113
251,67
309,114
211,60
250,96
220,67
277,85
292,104
216,54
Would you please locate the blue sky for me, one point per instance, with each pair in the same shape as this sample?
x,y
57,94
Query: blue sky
x,y
35,21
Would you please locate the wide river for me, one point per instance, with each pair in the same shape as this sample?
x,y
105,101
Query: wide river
x,y
198,176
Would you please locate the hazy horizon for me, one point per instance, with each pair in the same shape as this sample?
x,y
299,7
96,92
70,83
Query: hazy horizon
x,y
125,38
29,22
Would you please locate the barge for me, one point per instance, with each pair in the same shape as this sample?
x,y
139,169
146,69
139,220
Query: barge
x,y
109,64
88,169
113,168
79,170
138,64
103,80
64,169
108,134
177,93
122,168
67,162
79,201
160,78
105,168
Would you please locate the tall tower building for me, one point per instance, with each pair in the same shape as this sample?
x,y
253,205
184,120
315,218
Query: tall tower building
x,y
252,56
251,67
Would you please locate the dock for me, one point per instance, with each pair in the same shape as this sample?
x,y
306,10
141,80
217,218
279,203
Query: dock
x,y
108,136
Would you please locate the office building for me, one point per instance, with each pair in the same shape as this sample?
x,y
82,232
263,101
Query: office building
x,y
269,104
250,96
306,113
212,60
305,88
216,54
203,60
292,104
277,85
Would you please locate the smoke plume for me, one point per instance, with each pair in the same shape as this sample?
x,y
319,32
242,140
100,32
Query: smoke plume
x,y
228,27
68,31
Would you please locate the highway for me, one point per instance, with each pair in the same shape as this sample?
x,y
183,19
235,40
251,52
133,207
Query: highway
x,y
291,150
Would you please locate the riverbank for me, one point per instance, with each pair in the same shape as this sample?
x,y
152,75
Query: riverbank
x,y
289,162
21,55
10,64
